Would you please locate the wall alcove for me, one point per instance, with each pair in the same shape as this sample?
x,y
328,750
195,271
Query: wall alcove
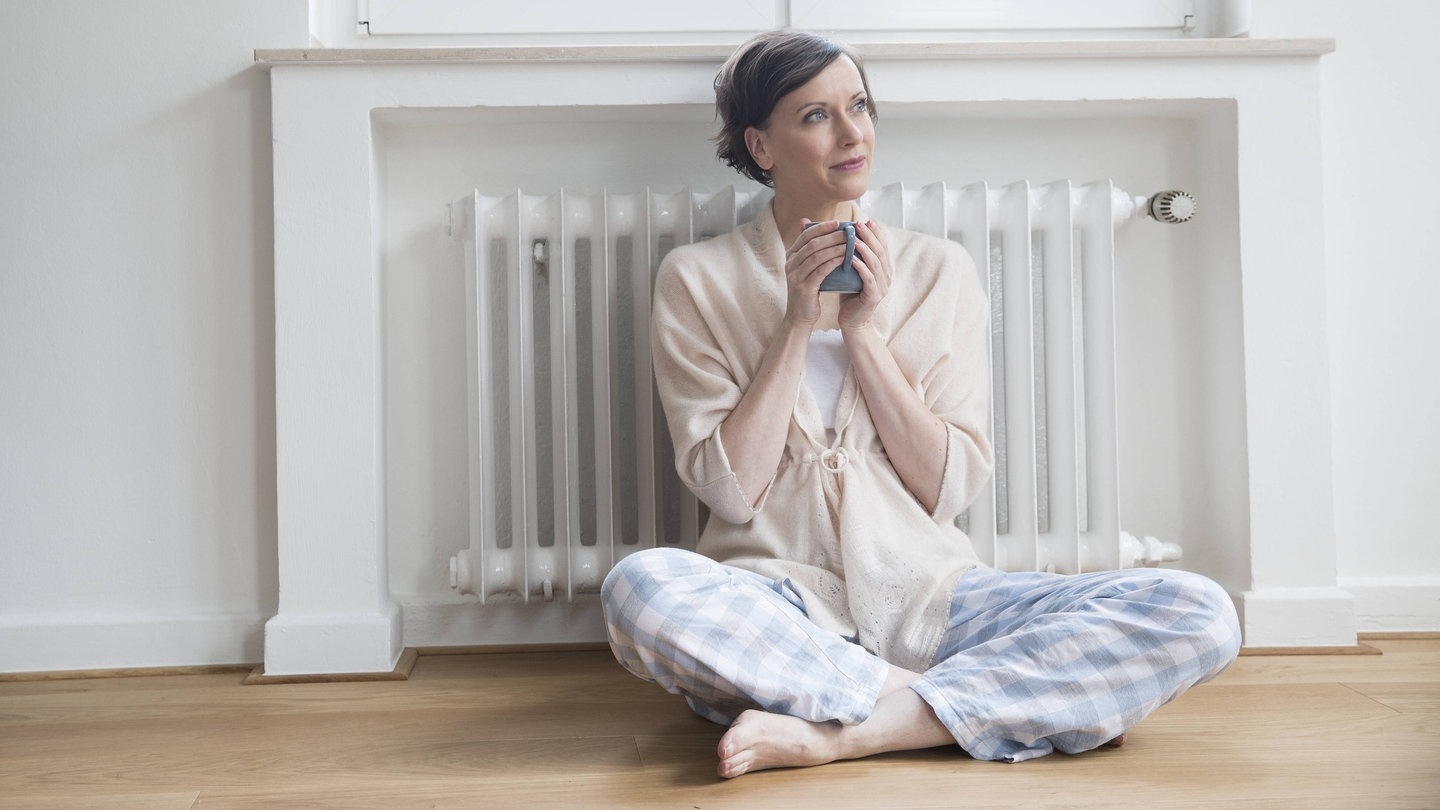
x,y
1221,321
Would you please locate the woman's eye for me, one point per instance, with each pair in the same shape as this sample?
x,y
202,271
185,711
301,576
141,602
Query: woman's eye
x,y
862,105
815,115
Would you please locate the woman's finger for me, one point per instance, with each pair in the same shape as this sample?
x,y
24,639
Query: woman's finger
x,y
872,234
876,263
818,254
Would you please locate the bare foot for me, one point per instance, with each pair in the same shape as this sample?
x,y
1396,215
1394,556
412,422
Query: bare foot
x,y
1115,743
758,740
901,721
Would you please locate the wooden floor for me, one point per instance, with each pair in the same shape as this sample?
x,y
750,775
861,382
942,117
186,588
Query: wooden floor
x,y
573,730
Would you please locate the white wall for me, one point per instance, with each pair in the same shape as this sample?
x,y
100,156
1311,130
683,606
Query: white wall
x,y
137,480
1383,270
136,352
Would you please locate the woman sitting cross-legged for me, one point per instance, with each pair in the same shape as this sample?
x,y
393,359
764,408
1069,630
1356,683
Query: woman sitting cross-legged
x,y
833,609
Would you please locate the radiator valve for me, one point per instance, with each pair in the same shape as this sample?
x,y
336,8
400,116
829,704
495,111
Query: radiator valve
x,y
1172,206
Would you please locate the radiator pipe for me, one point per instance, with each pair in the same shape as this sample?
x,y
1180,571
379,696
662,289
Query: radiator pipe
x,y
462,574
1148,552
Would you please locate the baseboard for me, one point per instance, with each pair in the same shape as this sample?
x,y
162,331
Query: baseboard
x,y
1319,616
45,648
303,644
255,673
401,672
1403,635
503,649
123,672
1395,604
49,647
1358,649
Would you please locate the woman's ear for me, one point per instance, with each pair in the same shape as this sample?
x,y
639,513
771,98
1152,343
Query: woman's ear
x,y
755,142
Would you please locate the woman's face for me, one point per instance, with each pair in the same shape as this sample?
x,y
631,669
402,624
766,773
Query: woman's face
x,y
818,142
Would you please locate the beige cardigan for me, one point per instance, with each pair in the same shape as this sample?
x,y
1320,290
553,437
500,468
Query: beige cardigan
x,y
867,558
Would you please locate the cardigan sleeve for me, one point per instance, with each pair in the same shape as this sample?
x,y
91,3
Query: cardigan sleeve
x,y
698,387
957,384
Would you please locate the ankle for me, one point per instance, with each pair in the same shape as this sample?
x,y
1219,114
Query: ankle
x,y
895,680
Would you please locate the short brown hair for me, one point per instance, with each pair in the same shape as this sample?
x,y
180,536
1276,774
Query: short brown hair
x,y
754,79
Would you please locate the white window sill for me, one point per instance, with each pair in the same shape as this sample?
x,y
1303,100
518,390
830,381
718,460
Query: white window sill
x,y
1072,49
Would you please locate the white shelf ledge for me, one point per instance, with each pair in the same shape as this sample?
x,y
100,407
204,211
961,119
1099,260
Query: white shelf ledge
x,y
1078,49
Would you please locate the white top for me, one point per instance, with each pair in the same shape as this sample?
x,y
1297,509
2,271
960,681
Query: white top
x,y
825,367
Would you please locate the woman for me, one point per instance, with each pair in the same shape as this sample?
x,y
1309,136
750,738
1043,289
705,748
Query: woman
x,y
834,610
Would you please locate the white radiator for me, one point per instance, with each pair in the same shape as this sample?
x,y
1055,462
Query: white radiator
x,y
570,462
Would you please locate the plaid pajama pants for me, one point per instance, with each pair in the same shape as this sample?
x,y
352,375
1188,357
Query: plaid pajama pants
x,y
1030,662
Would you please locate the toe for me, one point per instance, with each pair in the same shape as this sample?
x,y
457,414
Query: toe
x,y
733,767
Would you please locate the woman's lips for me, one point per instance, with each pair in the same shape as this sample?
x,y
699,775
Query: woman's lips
x,y
851,164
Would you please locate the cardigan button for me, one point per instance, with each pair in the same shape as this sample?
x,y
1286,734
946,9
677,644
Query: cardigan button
x,y
835,460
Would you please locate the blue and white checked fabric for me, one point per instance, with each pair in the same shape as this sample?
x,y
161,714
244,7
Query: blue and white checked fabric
x,y
1030,663
1036,662
731,640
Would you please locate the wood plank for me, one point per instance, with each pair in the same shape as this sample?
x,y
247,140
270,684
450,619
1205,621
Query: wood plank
x,y
572,729
1404,697
103,801
1401,661
296,751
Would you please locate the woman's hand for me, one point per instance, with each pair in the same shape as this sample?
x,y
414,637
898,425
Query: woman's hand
x,y
872,262
915,439
815,252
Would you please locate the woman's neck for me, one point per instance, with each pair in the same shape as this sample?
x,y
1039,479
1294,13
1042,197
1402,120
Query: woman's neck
x,y
790,212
